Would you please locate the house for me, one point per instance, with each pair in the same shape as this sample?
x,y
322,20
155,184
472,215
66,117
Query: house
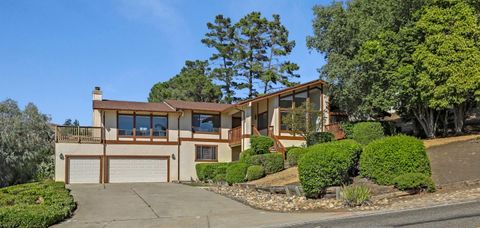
x,y
162,142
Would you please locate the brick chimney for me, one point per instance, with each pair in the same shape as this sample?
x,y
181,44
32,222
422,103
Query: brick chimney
x,y
97,94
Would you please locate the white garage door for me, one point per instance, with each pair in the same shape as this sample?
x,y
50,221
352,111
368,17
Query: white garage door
x,y
122,170
84,170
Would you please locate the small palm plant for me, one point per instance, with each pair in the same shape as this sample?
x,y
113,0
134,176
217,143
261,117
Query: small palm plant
x,y
356,195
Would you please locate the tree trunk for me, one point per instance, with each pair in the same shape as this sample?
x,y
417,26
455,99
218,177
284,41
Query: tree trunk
x,y
459,117
445,123
428,119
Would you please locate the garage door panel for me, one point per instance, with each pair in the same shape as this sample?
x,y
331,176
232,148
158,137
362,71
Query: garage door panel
x,y
84,170
122,170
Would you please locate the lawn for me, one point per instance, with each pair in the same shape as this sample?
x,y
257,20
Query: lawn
x,y
38,204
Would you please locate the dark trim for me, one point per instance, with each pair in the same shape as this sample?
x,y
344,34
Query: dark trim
x,y
219,114
203,140
206,145
284,137
141,142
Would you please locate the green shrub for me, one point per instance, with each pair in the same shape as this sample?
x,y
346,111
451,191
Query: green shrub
x,y
327,164
220,177
200,169
273,163
366,132
320,137
208,171
236,173
245,155
294,155
387,158
356,195
414,181
260,144
255,172
347,128
258,159
38,204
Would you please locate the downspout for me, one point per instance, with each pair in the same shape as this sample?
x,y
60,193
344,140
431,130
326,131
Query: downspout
x,y
104,142
178,144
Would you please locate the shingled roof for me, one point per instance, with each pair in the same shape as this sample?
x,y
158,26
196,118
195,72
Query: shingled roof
x,y
203,106
132,106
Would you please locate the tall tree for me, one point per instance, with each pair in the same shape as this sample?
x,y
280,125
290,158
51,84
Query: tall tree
x,y
26,144
69,122
193,83
221,37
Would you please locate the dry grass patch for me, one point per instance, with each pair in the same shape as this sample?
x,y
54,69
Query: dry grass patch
x,y
443,141
285,177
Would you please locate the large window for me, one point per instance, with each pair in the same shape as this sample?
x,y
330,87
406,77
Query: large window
x,y
205,153
286,102
125,125
297,99
160,125
208,123
144,125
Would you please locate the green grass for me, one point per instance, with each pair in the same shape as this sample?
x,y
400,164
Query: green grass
x,y
38,204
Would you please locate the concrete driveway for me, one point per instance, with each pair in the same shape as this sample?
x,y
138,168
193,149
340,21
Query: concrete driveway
x,y
170,205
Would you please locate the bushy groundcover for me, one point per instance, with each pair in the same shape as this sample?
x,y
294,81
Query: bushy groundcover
x,y
38,204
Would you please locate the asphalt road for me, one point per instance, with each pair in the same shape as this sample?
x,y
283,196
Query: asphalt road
x,y
457,215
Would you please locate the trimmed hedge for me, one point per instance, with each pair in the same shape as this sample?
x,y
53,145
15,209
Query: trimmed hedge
x,y
387,158
273,163
327,164
245,155
366,132
38,204
347,128
260,144
236,173
414,181
220,177
255,172
208,171
320,137
293,155
258,159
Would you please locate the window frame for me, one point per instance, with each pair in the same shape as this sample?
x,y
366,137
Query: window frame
x,y
258,120
217,132
307,90
134,129
215,148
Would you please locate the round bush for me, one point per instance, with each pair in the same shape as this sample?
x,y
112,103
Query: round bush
x,y
245,155
347,128
387,158
220,177
320,137
261,144
294,155
273,163
208,171
366,132
200,169
236,173
258,159
327,164
414,181
255,172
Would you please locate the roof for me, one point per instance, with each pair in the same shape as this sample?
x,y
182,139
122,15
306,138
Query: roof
x,y
204,106
132,106
282,91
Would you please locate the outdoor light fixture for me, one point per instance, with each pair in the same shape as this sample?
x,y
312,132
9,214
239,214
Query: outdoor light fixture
x,y
61,156
173,156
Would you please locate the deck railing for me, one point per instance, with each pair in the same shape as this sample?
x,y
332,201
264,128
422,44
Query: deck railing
x,y
336,130
277,145
235,136
78,134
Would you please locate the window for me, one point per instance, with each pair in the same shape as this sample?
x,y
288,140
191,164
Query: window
x,y
142,127
283,115
159,125
125,125
205,153
286,102
262,121
205,122
300,99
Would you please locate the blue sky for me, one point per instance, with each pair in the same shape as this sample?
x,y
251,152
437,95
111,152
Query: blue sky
x,y
53,53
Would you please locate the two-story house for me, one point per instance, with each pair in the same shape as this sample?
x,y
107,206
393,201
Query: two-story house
x,y
162,142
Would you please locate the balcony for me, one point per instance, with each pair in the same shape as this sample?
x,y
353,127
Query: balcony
x,y
78,134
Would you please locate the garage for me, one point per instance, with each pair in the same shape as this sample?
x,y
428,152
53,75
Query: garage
x,y
83,169
129,169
